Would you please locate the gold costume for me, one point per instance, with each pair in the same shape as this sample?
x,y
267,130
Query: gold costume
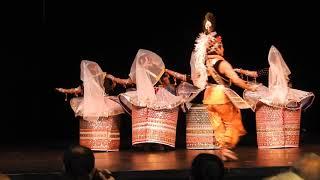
x,y
224,116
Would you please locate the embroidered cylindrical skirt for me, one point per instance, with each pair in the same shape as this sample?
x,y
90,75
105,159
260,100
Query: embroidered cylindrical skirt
x,y
154,126
199,132
292,120
277,127
101,135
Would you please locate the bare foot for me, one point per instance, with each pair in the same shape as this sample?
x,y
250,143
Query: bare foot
x,y
227,154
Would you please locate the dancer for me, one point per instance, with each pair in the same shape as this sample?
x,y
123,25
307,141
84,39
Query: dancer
x,y
223,104
154,109
279,92
94,100
98,112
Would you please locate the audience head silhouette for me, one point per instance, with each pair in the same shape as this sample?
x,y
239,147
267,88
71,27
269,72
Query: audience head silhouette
x,y
78,161
207,167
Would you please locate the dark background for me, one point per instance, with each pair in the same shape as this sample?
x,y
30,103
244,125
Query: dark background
x,y
42,46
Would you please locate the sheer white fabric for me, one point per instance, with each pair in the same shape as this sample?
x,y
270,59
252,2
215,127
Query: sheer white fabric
x,y
253,97
278,94
112,102
150,63
278,77
296,99
164,100
94,103
146,70
188,93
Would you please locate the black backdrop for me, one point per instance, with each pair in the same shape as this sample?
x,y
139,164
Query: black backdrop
x,y
42,46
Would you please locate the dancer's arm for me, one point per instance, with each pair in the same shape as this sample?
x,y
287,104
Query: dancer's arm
x,y
123,82
249,73
76,91
182,77
226,69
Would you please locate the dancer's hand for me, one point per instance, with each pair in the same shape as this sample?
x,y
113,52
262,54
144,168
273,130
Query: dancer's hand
x,y
109,76
253,74
254,87
75,91
62,90
237,70
220,51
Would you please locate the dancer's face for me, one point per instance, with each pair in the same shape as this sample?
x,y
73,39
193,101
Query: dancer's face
x,y
208,26
166,80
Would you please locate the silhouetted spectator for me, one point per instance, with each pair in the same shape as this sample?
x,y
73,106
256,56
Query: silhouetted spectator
x,y
207,167
79,164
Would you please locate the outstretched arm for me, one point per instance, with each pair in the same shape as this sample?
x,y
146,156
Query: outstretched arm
x,y
123,82
226,69
255,74
249,73
76,91
182,77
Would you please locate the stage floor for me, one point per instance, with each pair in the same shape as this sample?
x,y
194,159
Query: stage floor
x,y
253,162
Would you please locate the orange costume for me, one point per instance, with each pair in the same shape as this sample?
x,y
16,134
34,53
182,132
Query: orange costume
x,y
225,117
223,104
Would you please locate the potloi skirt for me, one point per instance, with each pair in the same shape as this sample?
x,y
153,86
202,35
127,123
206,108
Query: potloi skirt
x,y
199,132
101,135
277,127
154,126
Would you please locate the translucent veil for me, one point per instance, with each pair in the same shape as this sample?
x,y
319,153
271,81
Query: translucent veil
x,y
146,70
278,77
278,94
92,76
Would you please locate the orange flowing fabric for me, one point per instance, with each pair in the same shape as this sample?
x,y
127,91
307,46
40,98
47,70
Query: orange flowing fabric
x,y
224,116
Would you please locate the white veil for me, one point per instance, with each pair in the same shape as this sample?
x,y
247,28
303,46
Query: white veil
x,y
278,94
94,103
278,77
146,70
92,76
